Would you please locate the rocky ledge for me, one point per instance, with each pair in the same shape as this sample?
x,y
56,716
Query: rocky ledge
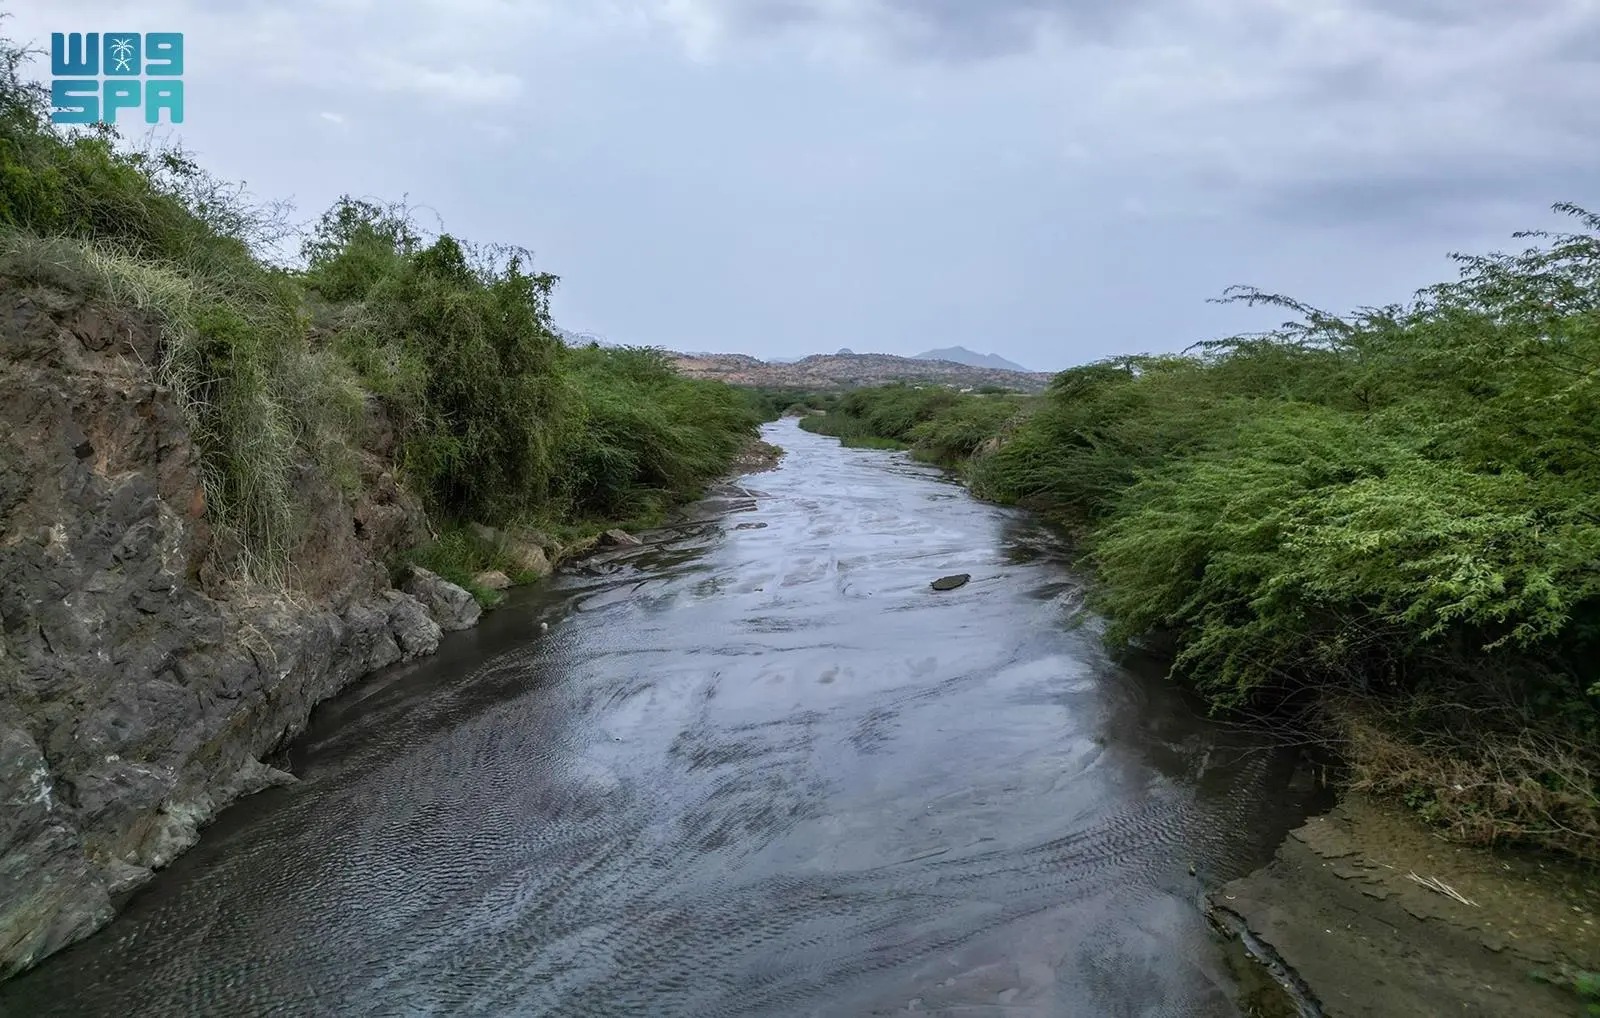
x,y
1365,912
140,687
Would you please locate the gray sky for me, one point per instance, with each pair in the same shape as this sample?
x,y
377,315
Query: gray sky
x,y
1051,180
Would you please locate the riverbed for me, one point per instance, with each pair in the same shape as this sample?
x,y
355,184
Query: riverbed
x,y
754,767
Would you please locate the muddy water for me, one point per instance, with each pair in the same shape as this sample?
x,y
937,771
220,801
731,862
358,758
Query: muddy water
x,y
755,768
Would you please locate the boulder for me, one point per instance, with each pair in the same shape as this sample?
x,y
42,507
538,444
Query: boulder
x,y
452,607
411,625
492,579
619,539
951,582
528,559
525,549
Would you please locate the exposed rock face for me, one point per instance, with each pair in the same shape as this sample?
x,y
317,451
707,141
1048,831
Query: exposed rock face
x,y
138,688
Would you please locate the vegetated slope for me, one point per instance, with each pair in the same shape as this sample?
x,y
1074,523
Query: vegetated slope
x,y
961,355
1395,512
214,469
843,370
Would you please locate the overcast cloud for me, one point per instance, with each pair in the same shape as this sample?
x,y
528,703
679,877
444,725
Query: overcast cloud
x,y
1053,180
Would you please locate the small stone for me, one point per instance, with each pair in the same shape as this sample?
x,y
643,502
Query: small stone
x,y
951,582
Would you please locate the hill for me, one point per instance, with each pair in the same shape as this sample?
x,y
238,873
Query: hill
x,y
844,370
961,355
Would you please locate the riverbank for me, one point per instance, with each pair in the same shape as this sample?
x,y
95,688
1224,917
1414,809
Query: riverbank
x,y
755,766
1376,916
1385,523
231,487
142,680
1337,925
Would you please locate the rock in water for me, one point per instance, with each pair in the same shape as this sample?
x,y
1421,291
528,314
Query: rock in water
x,y
951,582
451,607
619,539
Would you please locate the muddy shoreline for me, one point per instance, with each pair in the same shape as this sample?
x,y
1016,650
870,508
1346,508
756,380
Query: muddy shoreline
x,y
1345,908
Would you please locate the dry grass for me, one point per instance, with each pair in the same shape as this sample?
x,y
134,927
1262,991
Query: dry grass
x,y
1480,787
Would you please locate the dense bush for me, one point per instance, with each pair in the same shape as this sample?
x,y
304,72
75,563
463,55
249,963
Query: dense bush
x,y
464,350
1397,511
152,230
501,420
772,402
498,420
645,436
936,423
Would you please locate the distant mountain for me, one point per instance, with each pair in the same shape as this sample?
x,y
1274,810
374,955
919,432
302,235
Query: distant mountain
x,y
961,355
833,371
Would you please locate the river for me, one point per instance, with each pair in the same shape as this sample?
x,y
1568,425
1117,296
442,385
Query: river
x,y
756,767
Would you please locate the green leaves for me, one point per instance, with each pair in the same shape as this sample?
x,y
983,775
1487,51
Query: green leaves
x,y
1404,498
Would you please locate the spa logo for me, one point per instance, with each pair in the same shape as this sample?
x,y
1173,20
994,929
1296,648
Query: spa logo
x,y
97,75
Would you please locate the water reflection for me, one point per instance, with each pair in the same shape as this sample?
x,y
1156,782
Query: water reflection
x,y
749,770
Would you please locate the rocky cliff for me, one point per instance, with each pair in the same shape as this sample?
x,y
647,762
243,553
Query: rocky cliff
x,y
140,684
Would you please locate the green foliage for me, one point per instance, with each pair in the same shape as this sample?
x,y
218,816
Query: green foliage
x,y
1587,986
773,402
497,420
459,555
955,432
500,419
355,245
1401,505
490,410
1416,497
936,423
645,436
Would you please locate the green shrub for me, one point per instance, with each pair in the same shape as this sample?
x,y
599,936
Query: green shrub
x,y
644,436
459,556
1398,509
955,433
497,420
